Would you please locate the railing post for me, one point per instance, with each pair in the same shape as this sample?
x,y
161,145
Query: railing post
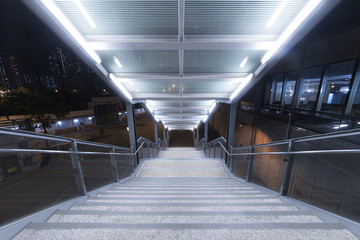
x,y
148,150
231,159
79,177
250,164
132,158
221,152
214,150
153,147
288,159
114,165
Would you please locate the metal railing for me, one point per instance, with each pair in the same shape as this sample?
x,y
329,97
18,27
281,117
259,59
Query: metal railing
x,y
301,168
60,168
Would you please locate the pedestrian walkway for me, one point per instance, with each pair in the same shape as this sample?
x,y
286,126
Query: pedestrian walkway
x,y
183,195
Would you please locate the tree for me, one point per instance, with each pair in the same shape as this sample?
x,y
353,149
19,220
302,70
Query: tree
x,y
38,104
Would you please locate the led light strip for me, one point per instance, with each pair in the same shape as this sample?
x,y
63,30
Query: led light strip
x,y
276,13
85,13
300,18
120,86
242,85
50,5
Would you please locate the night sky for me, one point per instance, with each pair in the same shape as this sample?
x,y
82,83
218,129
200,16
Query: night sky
x,y
25,36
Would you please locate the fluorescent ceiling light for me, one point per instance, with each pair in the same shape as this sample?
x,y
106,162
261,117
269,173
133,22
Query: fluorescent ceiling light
x,y
117,62
241,86
50,5
276,14
244,62
85,13
119,85
307,10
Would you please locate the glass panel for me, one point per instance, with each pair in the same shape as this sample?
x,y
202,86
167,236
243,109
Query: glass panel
x,y
336,86
268,90
309,88
267,170
278,82
221,61
124,17
149,61
240,164
152,87
328,180
353,107
237,17
289,89
97,169
32,182
209,87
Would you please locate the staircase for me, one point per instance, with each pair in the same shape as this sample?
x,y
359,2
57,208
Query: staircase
x,y
183,195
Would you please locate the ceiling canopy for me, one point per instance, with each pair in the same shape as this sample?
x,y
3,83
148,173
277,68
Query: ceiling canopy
x,y
180,58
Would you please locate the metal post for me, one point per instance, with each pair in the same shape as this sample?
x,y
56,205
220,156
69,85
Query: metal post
x,y
221,152
197,134
288,159
231,151
114,165
250,164
231,126
148,150
131,125
206,130
156,132
79,177
214,150
164,136
153,150
132,158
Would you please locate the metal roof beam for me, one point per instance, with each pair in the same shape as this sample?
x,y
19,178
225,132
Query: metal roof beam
x,y
175,46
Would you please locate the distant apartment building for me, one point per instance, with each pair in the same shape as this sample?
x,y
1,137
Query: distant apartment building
x,y
11,73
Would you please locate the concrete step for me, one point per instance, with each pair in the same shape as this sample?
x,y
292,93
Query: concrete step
x,y
175,195
177,187
181,179
109,206
161,200
86,231
216,191
182,217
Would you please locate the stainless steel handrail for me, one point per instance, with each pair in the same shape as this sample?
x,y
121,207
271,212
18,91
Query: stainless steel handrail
x,y
55,138
347,133
216,140
144,139
61,152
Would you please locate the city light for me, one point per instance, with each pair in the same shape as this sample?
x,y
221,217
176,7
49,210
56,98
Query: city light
x,y
120,86
276,13
85,13
242,85
76,120
51,6
307,10
59,122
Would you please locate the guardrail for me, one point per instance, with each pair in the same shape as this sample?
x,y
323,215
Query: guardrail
x,y
300,167
60,167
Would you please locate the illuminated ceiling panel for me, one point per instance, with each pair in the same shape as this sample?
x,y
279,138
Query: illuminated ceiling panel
x,y
180,57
